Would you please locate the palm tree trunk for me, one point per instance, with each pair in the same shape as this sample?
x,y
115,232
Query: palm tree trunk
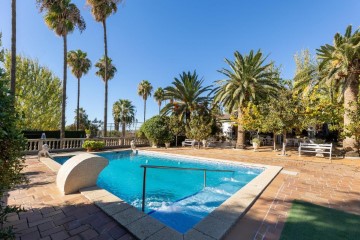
x,y
176,137
240,143
13,48
123,129
62,127
274,141
144,108
350,105
77,109
283,151
106,79
159,107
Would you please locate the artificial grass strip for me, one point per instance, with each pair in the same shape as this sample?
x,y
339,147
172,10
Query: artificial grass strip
x,y
310,221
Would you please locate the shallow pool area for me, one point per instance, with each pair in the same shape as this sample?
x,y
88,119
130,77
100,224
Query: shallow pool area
x,y
178,198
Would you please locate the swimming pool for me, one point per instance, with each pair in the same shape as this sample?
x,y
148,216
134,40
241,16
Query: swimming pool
x,y
176,198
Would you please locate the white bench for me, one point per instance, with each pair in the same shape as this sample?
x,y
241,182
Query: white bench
x,y
188,142
316,148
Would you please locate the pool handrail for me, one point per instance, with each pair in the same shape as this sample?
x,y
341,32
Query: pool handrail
x,y
174,168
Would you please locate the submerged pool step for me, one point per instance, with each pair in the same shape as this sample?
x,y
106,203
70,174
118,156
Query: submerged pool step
x,y
185,213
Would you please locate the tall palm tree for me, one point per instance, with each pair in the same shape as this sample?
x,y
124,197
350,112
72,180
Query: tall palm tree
x,y
80,65
144,90
124,113
105,75
62,17
340,64
159,96
13,48
101,10
247,80
186,95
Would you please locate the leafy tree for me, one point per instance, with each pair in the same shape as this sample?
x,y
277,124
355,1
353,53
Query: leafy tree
x,y
11,151
340,65
85,122
13,48
176,127
316,96
124,113
106,70
156,130
62,17
101,10
248,80
38,94
80,65
199,128
159,96
144,91
283,114
186,95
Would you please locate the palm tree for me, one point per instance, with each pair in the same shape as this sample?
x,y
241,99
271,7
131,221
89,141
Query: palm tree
x,y
101,10
159,95
247,80
62,17
124,113
105,76
79,64
340,65
186,95
144,90
13,48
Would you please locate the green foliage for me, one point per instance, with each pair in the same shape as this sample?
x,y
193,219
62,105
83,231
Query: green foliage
x,y
124,113
101,9
85,123
199,128
12,146
78,62
38,94
111,69
145,89
187,94
256,140
247,80
61,16
176,126
93,145
156,130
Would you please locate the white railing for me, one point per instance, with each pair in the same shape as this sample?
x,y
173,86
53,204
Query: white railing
x,y
68,144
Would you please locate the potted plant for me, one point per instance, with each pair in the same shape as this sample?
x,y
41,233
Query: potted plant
x,y
255,143
88,133
93,145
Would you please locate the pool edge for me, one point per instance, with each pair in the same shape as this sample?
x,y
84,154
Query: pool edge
x,y
214,226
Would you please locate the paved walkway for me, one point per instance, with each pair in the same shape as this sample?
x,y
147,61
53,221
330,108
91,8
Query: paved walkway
x,y
333,185
52,216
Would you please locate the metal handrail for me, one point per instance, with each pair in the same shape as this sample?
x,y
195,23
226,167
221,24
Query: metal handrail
x,y
174,168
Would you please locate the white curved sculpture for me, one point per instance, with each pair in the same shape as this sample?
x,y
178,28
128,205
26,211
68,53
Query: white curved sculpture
x,y
79,172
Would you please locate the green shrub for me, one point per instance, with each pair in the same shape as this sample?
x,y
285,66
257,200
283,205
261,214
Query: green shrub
x,y
256,140
12,146
93,145
157,130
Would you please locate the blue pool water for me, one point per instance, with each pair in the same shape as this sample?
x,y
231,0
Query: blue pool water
x,y
176,198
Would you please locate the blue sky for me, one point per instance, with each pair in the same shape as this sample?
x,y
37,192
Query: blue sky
x,y
156,40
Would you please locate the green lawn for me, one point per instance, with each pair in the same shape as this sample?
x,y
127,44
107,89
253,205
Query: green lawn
x,y
309,221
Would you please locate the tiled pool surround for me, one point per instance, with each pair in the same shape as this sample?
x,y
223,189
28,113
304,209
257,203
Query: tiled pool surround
x,y
213,226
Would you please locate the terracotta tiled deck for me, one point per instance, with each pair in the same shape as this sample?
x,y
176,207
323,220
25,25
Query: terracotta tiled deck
x,y
52,216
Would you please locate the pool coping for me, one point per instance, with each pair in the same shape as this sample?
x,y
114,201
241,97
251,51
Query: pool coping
x,y
214,226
